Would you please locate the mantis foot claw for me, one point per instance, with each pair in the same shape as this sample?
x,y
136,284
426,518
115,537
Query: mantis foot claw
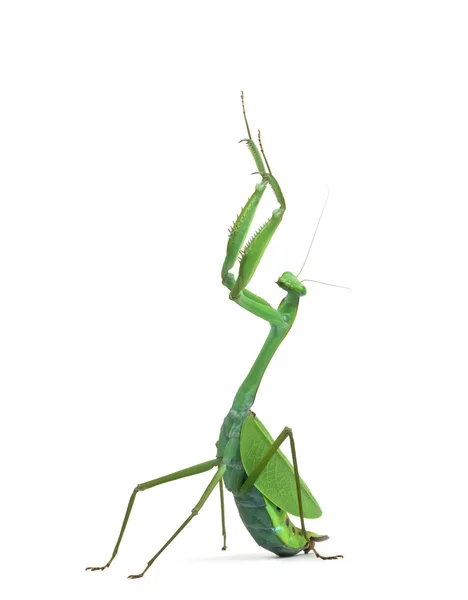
x,y
310,547
135,576
326,557
98,568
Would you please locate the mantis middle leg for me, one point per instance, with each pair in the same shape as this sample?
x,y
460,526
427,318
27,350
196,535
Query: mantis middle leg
x,y
254,475
206,494
194,470
223,521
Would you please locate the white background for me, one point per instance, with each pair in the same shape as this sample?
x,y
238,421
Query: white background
x,y
121,353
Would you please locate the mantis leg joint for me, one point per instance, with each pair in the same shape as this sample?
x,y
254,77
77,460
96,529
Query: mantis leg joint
x,y
228,280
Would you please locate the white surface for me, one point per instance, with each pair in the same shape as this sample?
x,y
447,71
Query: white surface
x,y
120,350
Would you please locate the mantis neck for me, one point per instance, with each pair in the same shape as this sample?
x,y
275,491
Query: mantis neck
x,y
247,392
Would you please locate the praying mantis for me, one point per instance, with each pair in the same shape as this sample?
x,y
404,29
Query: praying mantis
x,y
249,463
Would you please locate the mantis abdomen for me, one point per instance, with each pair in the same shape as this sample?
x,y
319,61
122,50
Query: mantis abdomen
x,y
269,525
271,531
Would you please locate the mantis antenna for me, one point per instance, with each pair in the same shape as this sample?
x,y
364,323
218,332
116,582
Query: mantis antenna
x,y
343,287
315,233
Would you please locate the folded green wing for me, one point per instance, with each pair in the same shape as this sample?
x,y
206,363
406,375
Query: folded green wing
x,y
277,481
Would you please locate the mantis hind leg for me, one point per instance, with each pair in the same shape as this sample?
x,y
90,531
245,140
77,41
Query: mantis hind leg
x,y
194,470
206,494
254,475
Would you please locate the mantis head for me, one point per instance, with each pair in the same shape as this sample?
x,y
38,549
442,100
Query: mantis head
x,y
290,283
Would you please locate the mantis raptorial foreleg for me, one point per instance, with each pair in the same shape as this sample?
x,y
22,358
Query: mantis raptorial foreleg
x,y
255,474
195,470
206,494
251,256
253,251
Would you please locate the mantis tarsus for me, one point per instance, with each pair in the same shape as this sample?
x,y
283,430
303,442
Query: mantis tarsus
x,y
265,485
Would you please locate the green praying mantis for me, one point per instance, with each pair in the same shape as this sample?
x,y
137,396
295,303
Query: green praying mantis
x,y
265,485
